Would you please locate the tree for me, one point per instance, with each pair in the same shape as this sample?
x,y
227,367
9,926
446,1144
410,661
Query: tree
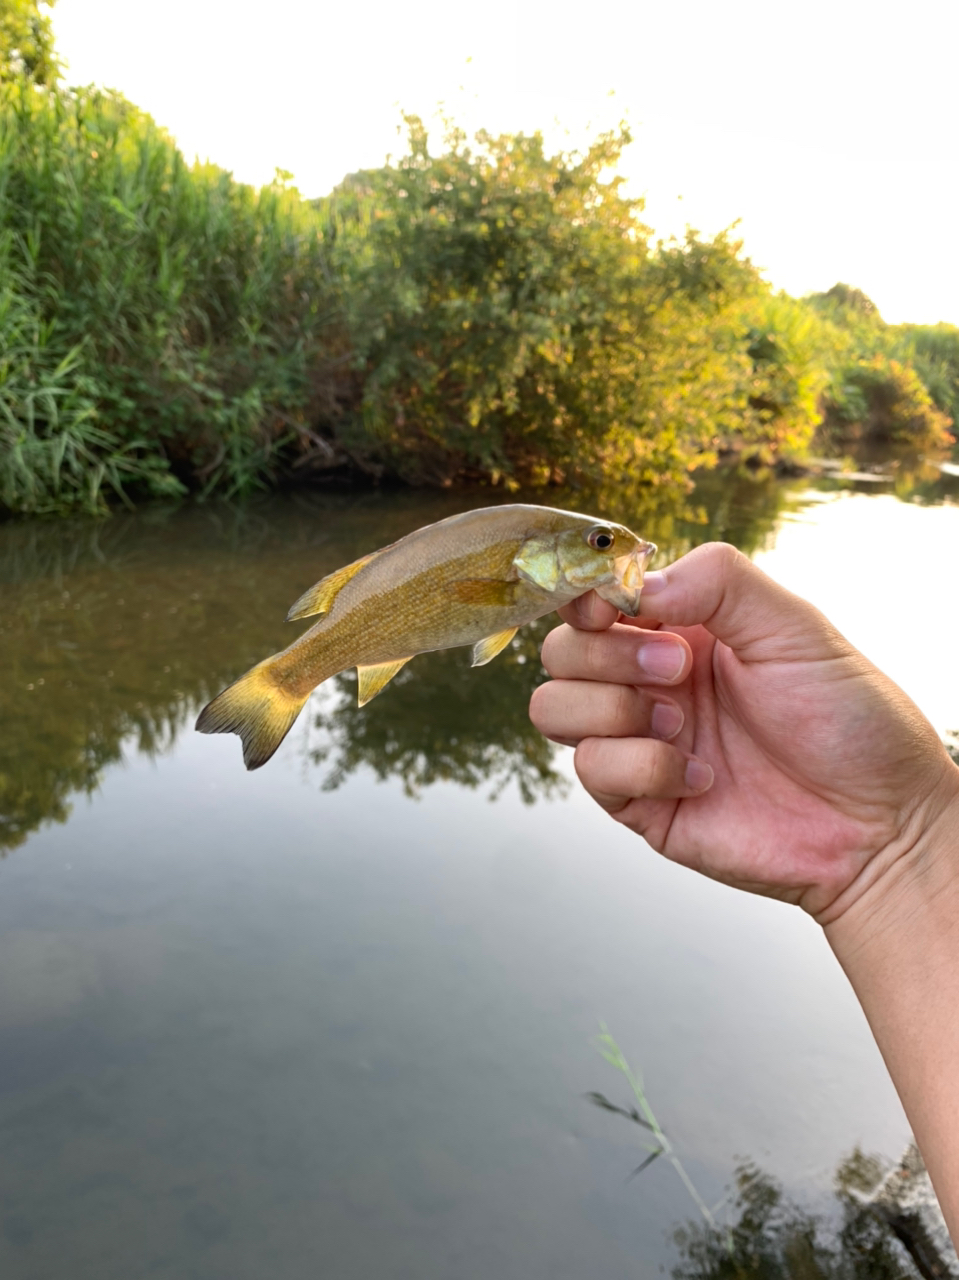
x,y
26,41
510,318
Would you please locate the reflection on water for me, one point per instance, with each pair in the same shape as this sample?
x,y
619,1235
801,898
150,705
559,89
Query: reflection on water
x,y
881,1219
117,631
251,1029
770,1237
438,725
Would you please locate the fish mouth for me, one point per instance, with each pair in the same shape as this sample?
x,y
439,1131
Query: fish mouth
x,y
637,562
628,571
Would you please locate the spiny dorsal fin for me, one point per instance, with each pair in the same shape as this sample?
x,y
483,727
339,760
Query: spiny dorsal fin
x,y
372,679
493,591
319,597
486,650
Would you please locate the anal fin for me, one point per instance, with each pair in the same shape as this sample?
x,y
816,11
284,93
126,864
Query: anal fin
x,y
320,596
371,680
486,650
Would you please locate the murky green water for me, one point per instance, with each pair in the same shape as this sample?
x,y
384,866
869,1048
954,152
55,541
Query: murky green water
x,y
334,1018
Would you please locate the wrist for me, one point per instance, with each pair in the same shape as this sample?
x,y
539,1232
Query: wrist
x,y
907,889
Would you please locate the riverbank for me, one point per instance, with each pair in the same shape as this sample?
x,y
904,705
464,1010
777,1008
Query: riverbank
x,y
477,311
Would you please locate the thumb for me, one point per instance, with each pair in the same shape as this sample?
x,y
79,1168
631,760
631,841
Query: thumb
x,y
717,587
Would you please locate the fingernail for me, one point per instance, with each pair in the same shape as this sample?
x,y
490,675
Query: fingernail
x,y
666,720
654,581
586,606
699,776
663,658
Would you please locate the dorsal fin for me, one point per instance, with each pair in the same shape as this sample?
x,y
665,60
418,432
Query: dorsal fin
x,y
486,650
370,680
319,597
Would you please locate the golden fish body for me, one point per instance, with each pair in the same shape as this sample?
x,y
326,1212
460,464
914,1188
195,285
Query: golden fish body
x,y
472,579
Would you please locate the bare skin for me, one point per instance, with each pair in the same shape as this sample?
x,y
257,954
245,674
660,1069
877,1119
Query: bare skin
x,y
741,735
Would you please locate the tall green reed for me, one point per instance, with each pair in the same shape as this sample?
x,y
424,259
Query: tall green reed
x,y
161,325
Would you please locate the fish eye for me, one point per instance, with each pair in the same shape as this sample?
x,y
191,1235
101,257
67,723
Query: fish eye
x,y
600,538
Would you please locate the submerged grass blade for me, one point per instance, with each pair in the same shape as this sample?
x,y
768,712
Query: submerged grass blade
x,y
612,1053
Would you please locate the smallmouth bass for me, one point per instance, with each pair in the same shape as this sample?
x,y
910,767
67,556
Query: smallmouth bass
x,y
472,579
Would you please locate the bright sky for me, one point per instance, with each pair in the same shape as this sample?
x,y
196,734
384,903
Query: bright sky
x,y
828,127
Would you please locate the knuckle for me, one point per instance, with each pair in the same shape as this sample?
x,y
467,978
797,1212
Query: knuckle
x,y
596,655
733,562
664,778
622,709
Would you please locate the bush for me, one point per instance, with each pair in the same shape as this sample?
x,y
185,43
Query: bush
x,y
488,312
933,350
792,350
886,401
510,320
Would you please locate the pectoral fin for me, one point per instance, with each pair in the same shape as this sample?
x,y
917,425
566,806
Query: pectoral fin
x,y
486,650
536,562
492,591
372,679
319,597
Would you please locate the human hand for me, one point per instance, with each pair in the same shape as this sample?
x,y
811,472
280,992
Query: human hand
x,y
740,734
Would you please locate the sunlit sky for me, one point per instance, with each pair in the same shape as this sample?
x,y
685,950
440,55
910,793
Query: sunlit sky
x,y
828,128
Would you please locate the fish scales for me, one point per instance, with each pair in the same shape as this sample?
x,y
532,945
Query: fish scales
x,y
421,612
472,579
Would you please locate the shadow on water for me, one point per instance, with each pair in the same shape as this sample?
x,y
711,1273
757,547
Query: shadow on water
x,y
115,632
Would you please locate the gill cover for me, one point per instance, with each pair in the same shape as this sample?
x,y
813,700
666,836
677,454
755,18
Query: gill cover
x,y
537,562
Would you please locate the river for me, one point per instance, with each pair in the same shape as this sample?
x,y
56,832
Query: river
x,y
338,1017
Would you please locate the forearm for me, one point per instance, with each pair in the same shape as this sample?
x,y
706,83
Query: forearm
x,y
899,946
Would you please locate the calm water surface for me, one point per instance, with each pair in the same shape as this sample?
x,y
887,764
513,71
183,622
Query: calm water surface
x,y
335,1018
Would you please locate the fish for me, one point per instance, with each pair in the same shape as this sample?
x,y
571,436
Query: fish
x,y
471,579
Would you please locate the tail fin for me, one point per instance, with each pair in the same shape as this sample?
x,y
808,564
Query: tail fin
x,y
258,709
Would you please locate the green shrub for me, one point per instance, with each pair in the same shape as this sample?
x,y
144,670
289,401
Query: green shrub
x,y
886,401
509,318
933,350
488,312
26,42
793,350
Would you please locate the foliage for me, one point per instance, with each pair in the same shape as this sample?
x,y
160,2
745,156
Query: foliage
x,y
887,401
160,325
481,310
509,318
843,299
890,383
26,42
933,350
792,354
